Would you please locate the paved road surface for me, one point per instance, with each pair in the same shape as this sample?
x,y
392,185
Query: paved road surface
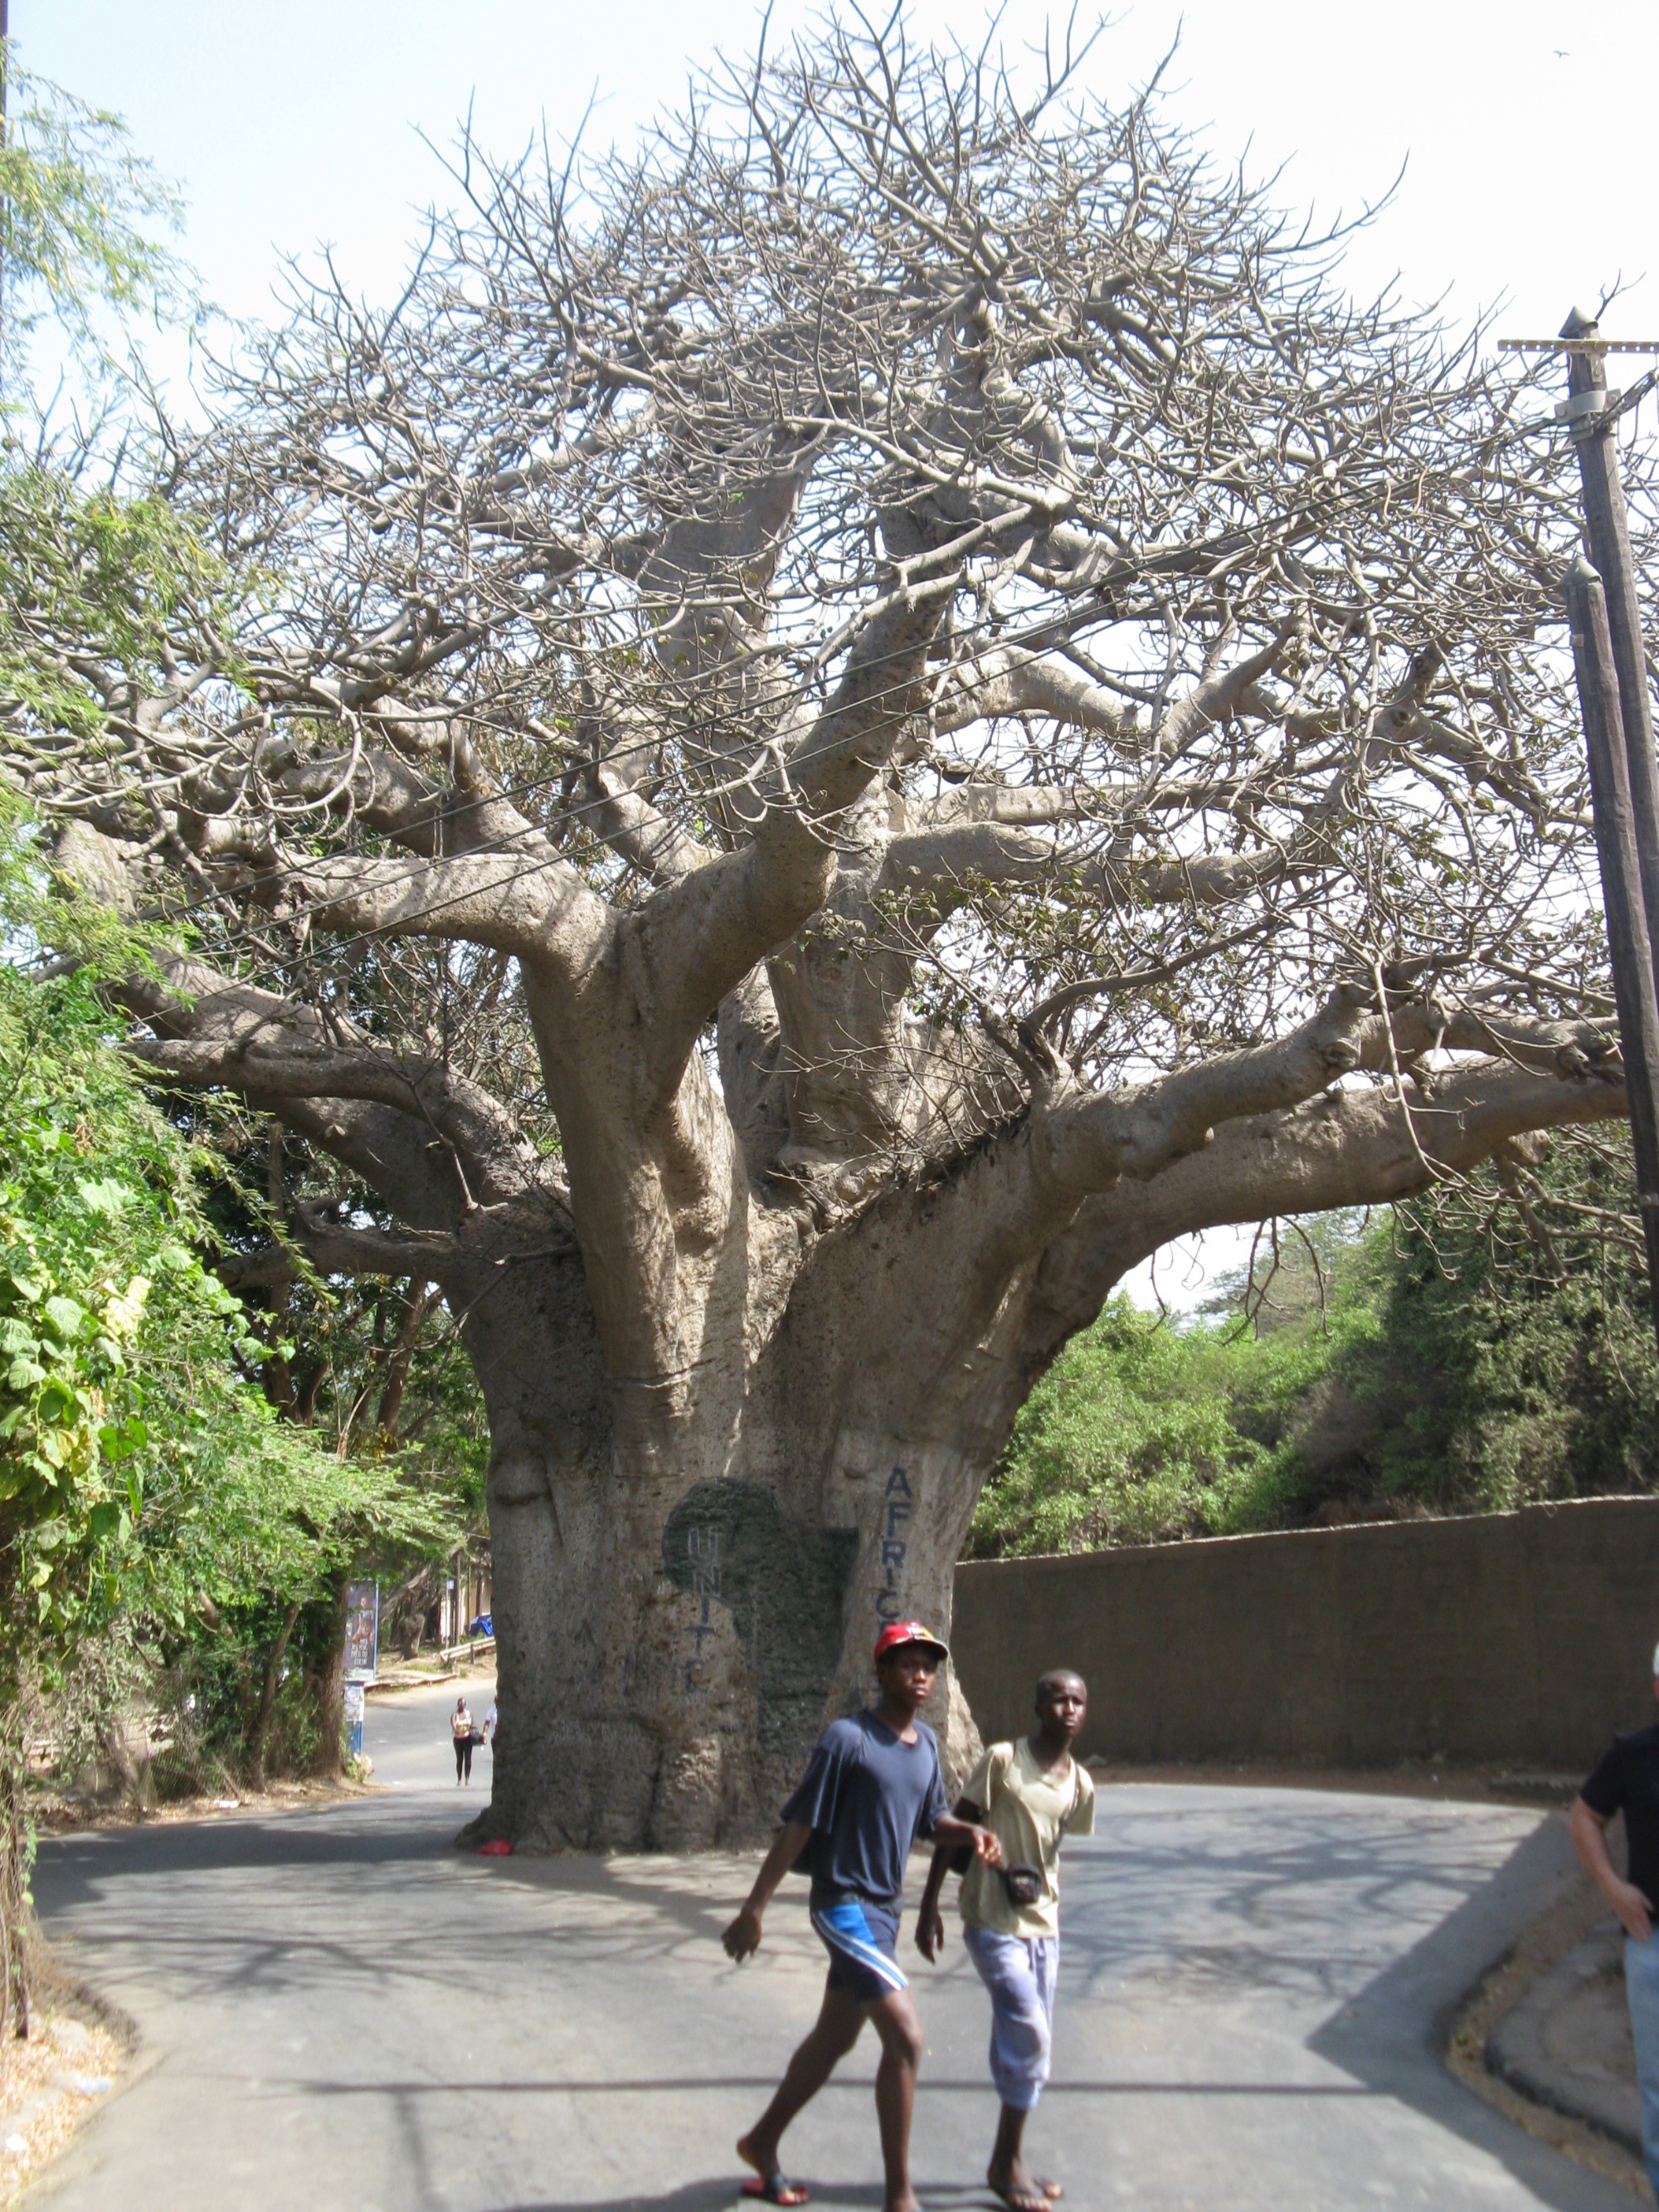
x,y
339,2009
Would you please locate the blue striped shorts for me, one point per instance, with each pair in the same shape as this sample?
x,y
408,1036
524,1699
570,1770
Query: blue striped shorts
x,y
862,1941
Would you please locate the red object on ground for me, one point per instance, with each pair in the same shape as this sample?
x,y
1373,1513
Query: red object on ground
x,y
500,1848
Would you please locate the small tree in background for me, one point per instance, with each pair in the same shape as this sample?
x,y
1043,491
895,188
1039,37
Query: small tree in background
x,y
81,215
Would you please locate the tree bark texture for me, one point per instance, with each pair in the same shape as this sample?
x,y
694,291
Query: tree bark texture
x,y
328,1680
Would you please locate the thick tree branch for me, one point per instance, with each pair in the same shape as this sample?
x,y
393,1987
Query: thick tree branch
x,y
1008,685
1356,1146
429,1176
386,794
634,829
527,901
700,936
1089,1144
951,864
336,1247
1018,806
273,1061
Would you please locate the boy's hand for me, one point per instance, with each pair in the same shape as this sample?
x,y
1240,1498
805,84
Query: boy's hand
x,y
930,1933
987,1847
742,1939
1635,1913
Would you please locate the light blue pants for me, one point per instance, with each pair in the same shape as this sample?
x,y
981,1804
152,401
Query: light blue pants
x,y
1642,1988
1019,1972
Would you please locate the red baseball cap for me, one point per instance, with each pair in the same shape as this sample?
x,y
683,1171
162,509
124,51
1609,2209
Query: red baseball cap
x,y
908,1631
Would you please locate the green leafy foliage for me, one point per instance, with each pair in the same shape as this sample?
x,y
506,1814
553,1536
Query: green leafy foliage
x,y
1443,1361
141,1470
1509,1368
1129,1439
79,213
147,1487
92,580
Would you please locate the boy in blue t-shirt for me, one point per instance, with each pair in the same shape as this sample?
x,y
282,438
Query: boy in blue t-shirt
x,y
872,1786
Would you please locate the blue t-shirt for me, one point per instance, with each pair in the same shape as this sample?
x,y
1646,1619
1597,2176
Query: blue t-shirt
x,y
866,1796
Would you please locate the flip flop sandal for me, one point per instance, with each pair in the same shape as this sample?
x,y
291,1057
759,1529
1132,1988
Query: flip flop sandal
x,y
1018,2200
773,2188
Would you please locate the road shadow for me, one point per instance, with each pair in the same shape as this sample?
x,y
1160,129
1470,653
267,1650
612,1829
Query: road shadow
x,y
565,2085
74,1866
1325,1909
1293,1892
695,2196
715,2195
1391,2035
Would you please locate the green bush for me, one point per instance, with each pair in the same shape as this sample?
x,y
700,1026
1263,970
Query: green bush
x,y
1439,1361
154,1508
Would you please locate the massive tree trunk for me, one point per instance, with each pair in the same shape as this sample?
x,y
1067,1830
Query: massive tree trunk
x,y
677,1615
862,725
674,1631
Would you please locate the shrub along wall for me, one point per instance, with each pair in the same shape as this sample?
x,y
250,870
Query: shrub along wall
x,y
1522,1638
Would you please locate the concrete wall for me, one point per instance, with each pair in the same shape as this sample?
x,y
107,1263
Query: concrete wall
x,y
1518,1637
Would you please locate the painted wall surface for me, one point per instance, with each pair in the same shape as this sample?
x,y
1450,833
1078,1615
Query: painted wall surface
x,y
1520,1638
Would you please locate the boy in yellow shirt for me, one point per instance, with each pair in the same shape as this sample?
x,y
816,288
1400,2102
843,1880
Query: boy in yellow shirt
x,y
1029,1795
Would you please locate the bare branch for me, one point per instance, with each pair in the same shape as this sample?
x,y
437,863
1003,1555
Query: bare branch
x,y
1350,1147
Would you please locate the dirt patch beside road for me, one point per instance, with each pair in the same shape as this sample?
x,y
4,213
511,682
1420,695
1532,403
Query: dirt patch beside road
x,y
61,1816
75,2052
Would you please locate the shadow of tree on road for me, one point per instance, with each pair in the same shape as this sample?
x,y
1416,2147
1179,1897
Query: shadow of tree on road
x,y
716,2196
1391,2034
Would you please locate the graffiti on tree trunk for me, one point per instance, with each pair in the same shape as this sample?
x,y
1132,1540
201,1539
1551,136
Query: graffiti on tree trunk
x,y
703,1547
729,1544
898,1507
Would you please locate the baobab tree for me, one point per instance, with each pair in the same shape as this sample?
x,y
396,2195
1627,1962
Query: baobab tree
x,y
854,720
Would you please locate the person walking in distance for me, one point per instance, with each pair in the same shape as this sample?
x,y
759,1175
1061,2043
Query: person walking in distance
x,y
460,1728
1626,1780
871,1787
1029,1795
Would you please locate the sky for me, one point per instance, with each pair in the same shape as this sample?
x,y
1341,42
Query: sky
x,y
1516,135
1523,129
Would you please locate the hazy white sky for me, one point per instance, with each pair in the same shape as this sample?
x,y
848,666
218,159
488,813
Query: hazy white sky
x,y
1525,129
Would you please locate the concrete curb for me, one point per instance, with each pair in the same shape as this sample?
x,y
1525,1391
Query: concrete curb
x,y
1526,2047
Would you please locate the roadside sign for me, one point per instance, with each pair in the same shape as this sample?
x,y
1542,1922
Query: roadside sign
x,y
362,1631
354,1720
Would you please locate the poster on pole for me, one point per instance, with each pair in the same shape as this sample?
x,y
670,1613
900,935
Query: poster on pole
x,y
354,1720
362,1631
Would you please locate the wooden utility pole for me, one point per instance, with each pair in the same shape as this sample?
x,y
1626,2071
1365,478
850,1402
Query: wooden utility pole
x,y
1610,661
1591,414
1629,944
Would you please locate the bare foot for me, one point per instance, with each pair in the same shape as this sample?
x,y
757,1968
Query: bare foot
x,y
757,2151
1018,2187
754,2150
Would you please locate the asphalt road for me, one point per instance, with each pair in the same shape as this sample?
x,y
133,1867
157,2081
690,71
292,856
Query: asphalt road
x,y
338,2008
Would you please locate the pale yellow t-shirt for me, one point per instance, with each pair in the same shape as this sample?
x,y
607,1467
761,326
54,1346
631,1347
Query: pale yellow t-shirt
x,y
1028,1812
